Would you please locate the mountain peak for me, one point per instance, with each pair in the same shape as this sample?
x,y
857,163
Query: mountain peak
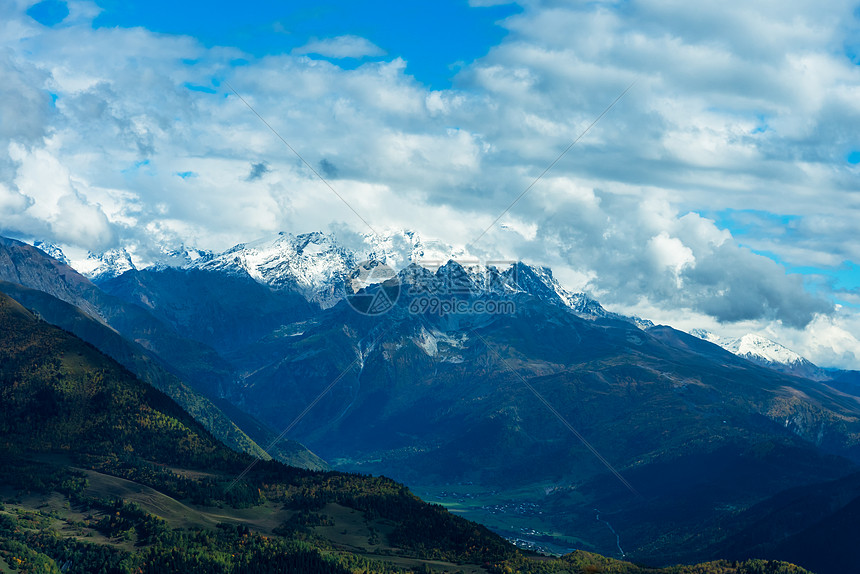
x,y
540,282
52,250
182,256
761,350
762,347
311,263
400,247
318,265
100,267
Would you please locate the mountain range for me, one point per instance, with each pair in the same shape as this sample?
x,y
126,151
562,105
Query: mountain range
x,y
317,265
492,390
768,353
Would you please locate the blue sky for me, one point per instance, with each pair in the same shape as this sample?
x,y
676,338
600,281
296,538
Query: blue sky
x,y
49,12
434,37
721,192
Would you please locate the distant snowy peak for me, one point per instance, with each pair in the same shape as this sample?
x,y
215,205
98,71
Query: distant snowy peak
x,y
579,302
539,282
707,336
755,347
182,256
312,263
515,279
52,251
751,345
101,267
319,266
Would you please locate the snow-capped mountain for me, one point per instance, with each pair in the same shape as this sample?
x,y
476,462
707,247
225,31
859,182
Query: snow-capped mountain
x,y
765,352
400,247
317,264
52,250
540,282
756,346
182,256
752,346
319,267
98,267
312,263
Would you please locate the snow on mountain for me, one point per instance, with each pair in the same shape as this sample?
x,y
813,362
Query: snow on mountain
x,y
319,267
707,336
52,251
101,267
539,282
316,264
401,247
767,353
312,263
182,256
580,303
752,346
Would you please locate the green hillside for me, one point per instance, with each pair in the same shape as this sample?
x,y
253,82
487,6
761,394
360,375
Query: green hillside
x,y
60,394
150,369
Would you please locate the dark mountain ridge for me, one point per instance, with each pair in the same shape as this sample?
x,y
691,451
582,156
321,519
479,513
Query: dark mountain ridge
x,y
152,370
196,363
223,311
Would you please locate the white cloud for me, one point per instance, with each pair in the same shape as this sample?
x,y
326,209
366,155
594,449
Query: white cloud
x,y
828,340
348,46
52,198
670,253
13,202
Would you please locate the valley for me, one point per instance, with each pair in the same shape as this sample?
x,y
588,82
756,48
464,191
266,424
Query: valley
x,y
513,514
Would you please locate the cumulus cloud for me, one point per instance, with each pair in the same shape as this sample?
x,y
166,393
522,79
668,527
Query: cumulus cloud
x,y
829,340
26,108
54,203
645,250
347,46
